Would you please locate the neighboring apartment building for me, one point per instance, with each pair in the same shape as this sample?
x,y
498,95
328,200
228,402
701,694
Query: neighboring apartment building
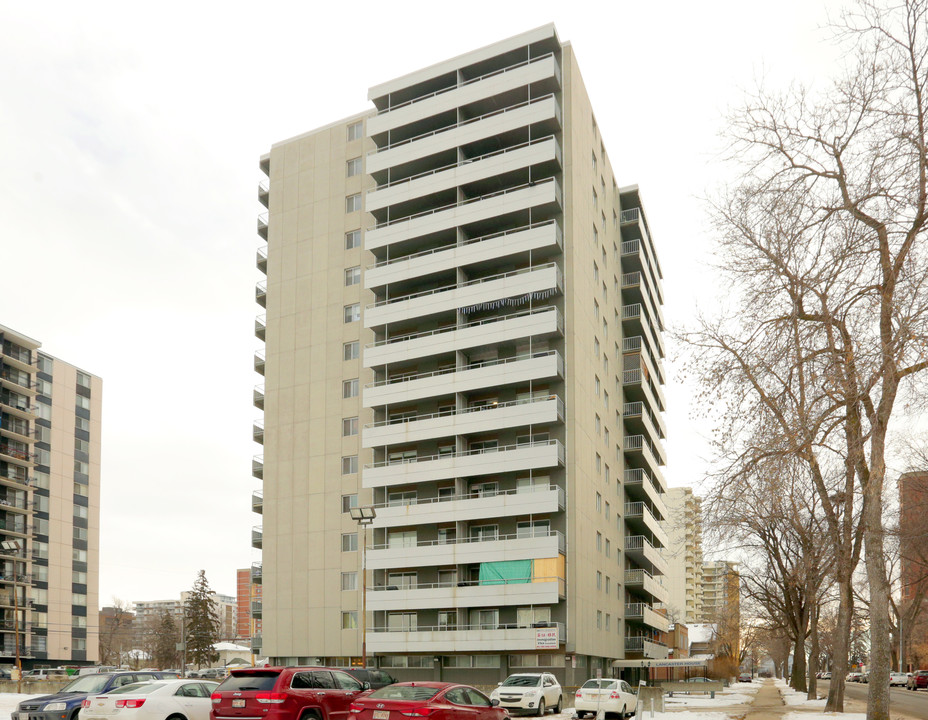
x,y
248,603
148,613
463,331
50,414
913,533
683,579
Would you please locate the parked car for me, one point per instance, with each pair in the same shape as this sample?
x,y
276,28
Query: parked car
x,y
371,677
897,678
697,679
437,700
826,675
529,692
66,703
918,679
285,693
156,700
613,697
745,677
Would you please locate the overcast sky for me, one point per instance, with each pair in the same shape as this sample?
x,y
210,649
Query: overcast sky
x,y
129,140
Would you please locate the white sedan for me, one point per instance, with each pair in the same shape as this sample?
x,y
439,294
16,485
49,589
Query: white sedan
x,y
613,697
159,700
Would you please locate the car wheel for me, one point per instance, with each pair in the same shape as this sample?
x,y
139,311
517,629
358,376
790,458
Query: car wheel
x,y
541,707
624,713
176,717
560,705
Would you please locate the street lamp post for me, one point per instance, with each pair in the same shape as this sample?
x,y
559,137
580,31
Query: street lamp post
x,y
364,516
13,546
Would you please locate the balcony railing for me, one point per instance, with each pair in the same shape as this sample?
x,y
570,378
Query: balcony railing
x,y
465,411
485,76
256,572
17,452
463,453
448,371
477,495
468,583
470,627
23,380
636,643
493,538
17,353
638,576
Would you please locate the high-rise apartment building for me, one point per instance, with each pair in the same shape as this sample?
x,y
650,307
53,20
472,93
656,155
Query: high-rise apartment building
x,y
683,579
463,332
50,414
248,603
913,533
721,590
148,613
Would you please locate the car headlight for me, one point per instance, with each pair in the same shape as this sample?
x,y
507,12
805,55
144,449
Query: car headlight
x,y
54,707
531,693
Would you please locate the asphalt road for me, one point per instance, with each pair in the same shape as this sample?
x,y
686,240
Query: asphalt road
x,y
911,703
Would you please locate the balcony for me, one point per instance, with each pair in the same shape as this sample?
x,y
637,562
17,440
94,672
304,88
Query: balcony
x,y
514,288
259,362
256,573
641,420
644,583
17,453
639,517
264,191
637,321
516,413
261,259
257,501
540,322
637,359
640,549
539,151
465,551
261,293
17,405
256,644
490,374
539,110
541,500
470,463
637,248
15,477
636,288
16,429
530,237
19,382
257,466
472,210
256,608
525,72
463,638
647,647
639,449
640,485
425,596
260,326
262,225
19,357
258,396
643,613
257,431
256,537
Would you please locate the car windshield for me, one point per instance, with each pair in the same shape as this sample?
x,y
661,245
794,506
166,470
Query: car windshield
x,y
600,685
522,681
137,688
86,684
404,692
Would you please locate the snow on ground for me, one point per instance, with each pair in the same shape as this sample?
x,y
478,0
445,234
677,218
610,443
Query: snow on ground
x,y
798,699
824,716
721,699
686,715
9,702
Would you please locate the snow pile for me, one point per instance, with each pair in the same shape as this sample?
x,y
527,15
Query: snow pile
x,y
721,699
792,697
823,716
10,701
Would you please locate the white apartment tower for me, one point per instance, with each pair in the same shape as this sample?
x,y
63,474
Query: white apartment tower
x,y
683,579
463,331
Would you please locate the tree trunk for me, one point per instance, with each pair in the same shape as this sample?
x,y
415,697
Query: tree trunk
x,y
813,656
839,661
880,651
797,678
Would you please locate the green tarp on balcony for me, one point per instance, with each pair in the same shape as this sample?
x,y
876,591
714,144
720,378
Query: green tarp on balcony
x,y
505,573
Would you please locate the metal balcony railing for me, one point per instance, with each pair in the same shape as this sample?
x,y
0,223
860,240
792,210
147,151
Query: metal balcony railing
x,y
465,411
473,366
493,538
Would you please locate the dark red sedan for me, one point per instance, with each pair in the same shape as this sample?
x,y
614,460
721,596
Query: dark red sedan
x,y
434,700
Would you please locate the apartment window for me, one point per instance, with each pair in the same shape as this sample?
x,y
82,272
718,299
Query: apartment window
x,y
348,502
596,310
599,542
533,528
40,574
594,162
83,380
608,507
402,539
595,273
78,599
82,424
403,497
404,622
351,350
447,535
352,312
355,131
352,276
596,346
83,402
403,580
76,576
81,445
41,503
615,220
448,619
482,533
599,580
608,547
605,328
599,619
79,465
597,386
350,465
352,239
608,584
43,411
80,489
353,203
79,532
350,388
78,621
607,621
43,387
349,581
606,436
599,503
76,555
349,542
597,424
39,596
349,620
595,235
353,167
606,399
599,464
46,364
349,426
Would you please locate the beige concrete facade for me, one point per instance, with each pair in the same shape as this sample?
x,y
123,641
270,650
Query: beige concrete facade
x,y
52,499
506,384
684,556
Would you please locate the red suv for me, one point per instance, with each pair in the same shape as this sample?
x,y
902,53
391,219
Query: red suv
x,y
285,693
918,680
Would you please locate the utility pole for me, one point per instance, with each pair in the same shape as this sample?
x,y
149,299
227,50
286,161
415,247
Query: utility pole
x,y
364,516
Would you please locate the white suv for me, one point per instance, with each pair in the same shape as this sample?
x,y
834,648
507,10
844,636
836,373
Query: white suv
x,y
530,692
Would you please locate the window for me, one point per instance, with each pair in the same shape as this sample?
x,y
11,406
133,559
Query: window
x,y
406,622
349,465
448,619
46,364
403,580
353,203
599,464
40,574
349,620
599,502
597,424
606,436
599,580
351,350
484,532
608,549
596,310
39,596
41,503
353,167
533,528
350,388
77,577
594,162
599,542
78,599
606,399
349,542
607,620
596,346
348,502
402,539
79,532
352,276
599,619
76,555
83,402
349,581
595,236
81,445
349,426
596,273
352,312
608,584
82,424
607,516
352,239
80,489
597,386
78,621
44,387
83,380
43,434
44,457
356,131
447,535
401,498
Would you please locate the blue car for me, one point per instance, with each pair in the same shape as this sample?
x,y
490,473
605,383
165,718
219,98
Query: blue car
x,y
65,704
